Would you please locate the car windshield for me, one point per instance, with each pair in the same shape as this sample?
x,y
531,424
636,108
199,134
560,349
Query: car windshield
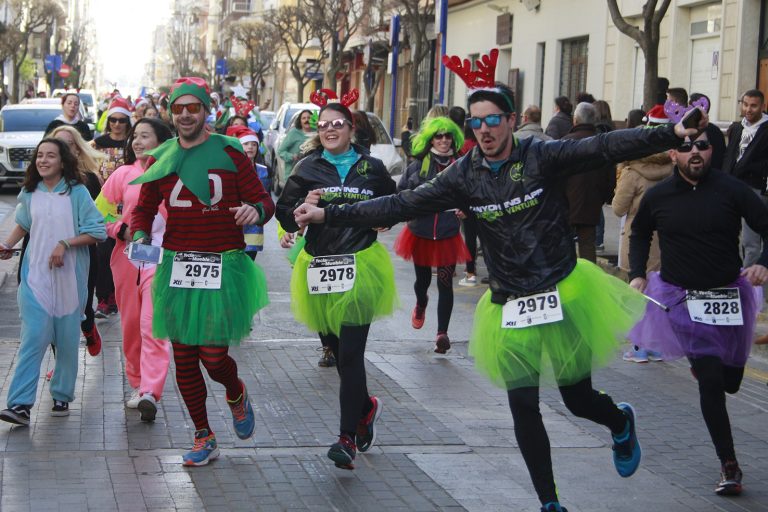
x,y
266,119
28,119
86,98
382,137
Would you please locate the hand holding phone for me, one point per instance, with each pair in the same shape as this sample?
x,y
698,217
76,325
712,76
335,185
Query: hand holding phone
x,y
145,253
692,118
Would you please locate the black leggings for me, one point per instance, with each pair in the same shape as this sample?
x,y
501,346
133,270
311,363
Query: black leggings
x,y
715,380
349,350
444,288
470,238
87,324
105,286
582,401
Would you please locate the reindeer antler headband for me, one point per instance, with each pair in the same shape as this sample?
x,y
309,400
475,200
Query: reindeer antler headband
x,y
481,79
675,112
321,97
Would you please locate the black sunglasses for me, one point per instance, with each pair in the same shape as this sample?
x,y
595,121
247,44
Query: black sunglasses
x,y
121,120
701,145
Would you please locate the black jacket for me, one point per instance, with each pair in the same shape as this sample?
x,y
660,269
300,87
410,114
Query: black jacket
x,y
698,229
438,226
81,126
368,178
521,211
753,166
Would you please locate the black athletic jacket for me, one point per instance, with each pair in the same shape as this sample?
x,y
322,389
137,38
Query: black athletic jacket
x,y
522,212
438,226
368,178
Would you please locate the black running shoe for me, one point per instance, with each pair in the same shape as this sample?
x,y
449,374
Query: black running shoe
x,y
730,479
366,429
327,360
60,408
342,452
18,415
553,507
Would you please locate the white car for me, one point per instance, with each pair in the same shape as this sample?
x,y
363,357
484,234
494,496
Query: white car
x,y
273,137
385,148
22,127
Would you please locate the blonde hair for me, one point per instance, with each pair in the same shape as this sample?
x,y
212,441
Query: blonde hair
x,y
89,159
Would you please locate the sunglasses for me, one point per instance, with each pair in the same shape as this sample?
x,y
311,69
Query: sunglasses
x,y
701,145
490,121
441,136
192,108
121,120
336,124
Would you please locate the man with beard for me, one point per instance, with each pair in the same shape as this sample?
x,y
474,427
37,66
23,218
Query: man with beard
x,y
206,289
577,312
713,304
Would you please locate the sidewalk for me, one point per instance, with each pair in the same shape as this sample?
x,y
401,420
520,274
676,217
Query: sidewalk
x,y
445,442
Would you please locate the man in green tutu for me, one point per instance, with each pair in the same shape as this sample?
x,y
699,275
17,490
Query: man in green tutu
x,y
547,313
206,289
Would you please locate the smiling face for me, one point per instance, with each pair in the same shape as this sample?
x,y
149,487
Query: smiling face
x,y
335,140
305,122
71,106
48,162
442,142
752,108
496,141
144,139
190,126
118,126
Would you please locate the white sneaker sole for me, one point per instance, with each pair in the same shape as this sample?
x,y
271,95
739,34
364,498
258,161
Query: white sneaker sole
x,y
212,456
148,410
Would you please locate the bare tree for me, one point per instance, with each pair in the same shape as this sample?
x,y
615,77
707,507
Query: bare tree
x,y
417,15
294,28
376,68
648,39
30,18
335,22
182,40
259,40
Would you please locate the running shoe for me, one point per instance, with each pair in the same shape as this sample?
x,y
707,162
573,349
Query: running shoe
x,y
626,448
102,309
366,429
553,506
342,452
636,356
112,304
133,401
243,419
93,341
147,407
730,479
60,408
203,451
17,414
417,316
442,343
327,359
654,356
468,280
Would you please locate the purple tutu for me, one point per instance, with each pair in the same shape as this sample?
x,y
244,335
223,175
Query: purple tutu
x,y
675,335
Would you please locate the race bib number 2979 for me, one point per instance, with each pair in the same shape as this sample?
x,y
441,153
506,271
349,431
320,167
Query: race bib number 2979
x,y
196,270
540,308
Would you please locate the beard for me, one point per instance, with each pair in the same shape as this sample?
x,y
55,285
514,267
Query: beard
x,y
191,133
695,168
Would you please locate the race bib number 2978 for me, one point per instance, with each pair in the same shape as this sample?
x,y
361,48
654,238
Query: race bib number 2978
x,y
196,270
331,274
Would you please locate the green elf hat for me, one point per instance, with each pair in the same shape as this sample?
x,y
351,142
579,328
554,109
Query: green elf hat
x,y
193,85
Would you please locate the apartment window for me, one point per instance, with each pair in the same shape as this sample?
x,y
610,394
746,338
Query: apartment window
x,y
573,66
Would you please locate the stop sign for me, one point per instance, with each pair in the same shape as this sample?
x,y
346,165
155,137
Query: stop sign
x,y
64,70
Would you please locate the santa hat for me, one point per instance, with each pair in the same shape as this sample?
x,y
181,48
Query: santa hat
x,y
140,102
119,106
243,133
656,115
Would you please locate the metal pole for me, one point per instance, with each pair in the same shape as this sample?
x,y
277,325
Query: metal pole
x,y
395,43
443,40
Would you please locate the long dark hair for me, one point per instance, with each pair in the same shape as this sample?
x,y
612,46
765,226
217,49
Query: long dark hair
x,y
162,132
297,122
69,169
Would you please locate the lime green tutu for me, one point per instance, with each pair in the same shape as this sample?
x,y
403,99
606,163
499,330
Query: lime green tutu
x,y
373,295
222,317
295,250
598,310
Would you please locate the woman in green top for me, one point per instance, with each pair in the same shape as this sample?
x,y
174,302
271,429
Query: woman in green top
x,y
290,148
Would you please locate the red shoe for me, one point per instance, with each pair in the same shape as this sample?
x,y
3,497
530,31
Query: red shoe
x,y
93,341
442,343
102,310
112,304
417,316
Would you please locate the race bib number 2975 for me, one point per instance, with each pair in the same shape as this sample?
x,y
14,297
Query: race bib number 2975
x,y
196,270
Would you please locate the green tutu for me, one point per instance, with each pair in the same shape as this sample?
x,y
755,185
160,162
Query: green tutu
x,y
295,250
222,317
598,310
372,296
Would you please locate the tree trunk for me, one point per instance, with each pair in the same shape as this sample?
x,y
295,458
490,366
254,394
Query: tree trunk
x,y
15,90
299,85
651,75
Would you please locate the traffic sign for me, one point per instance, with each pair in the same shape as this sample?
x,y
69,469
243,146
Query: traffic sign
x,y
64,71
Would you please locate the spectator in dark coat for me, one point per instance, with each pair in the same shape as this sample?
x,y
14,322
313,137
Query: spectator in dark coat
x,y
561,123
587,192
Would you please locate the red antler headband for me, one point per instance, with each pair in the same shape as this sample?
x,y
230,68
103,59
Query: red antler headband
x,y
482,79
321,97
242,108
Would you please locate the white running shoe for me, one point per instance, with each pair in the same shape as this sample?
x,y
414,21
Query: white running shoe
x,y
148,407
133,402
468,280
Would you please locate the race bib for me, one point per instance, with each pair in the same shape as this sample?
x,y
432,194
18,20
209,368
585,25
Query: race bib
x,y
196,270
331,274
719,306
541,308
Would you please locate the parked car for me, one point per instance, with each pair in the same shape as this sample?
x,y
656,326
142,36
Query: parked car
x,y
87,100
385,148
22,127
280,125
